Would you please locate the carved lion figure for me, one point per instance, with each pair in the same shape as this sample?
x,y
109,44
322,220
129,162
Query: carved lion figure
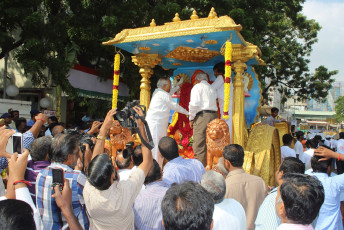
x,y
119,136
218,137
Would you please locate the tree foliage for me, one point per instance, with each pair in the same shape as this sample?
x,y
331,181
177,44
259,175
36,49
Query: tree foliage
x,y
52,35
339,109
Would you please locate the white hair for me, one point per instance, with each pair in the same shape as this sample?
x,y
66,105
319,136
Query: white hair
x,y
201,77
162,82
214,183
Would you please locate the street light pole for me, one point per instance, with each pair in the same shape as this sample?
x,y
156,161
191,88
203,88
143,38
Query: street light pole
x,y
5,76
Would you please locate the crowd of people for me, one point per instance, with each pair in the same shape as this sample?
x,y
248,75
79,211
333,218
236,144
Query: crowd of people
x,y
155,188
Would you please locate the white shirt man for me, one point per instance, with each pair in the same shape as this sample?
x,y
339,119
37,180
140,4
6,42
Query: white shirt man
x,y
298,147
286,151
229,213
218,85
159,112
202,110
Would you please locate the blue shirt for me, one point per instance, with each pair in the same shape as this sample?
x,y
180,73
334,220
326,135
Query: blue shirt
x,y
30,123
329,214
147,206
51,215
179,170
267,217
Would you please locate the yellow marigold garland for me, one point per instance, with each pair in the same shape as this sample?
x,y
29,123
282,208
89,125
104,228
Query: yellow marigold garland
x,y
174,122
115,81
228,72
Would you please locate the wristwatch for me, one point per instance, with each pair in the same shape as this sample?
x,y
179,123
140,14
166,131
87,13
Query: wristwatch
x,y
99,137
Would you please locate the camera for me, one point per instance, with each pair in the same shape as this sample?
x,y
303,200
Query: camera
x,y
124,116
86,139
129,150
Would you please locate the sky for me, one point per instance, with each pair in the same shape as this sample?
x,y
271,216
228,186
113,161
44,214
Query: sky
x,y
329,50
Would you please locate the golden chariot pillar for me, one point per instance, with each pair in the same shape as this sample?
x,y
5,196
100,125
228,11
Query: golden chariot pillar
x,y
146,62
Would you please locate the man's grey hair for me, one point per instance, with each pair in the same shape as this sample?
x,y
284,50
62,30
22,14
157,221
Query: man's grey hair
x,y
41,148
162,82
214,183
201,77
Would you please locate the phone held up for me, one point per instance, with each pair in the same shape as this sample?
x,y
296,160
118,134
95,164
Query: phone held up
x,y
15,144
58,178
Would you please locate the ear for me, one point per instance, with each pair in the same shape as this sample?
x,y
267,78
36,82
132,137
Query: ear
x,y
281,211
227,164
163,224
212,224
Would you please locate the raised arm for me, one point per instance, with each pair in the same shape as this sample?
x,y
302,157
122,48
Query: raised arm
x,y
147,162
41,119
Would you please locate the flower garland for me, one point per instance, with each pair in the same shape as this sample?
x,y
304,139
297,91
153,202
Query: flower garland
x,y
115,81
228,72
173,124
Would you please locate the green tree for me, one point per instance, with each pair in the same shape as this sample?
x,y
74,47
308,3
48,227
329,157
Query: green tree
x,y
339,109
52,35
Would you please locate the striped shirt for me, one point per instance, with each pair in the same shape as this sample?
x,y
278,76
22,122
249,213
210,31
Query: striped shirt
x,y
32,170
147,206
179,170
51,215
267,217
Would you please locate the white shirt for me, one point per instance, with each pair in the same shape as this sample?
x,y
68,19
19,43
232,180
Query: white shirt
x,y
286,151
160,106
203,97
218,85
340,146
298,147
306,158
23,194
229,214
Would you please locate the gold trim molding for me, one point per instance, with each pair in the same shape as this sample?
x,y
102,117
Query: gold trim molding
x,y
192,54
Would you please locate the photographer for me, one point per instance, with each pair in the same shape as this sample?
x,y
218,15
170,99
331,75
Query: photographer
x,y
110,201
124,165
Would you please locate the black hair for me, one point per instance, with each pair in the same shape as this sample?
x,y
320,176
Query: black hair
x,y
313,143
154,173
53,118
168,148
341,135
19,121
320,166
137,156
12,113
187,206
16,214
302,196
62,146
124,162
220,67
99,172
292,165
235,154
274,109
299,134
287,139
40,148
318,138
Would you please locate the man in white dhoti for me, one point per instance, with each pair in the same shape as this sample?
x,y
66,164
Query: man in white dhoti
x,y
218,85
159,112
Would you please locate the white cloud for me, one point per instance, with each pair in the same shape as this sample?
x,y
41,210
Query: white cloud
x,y
329,50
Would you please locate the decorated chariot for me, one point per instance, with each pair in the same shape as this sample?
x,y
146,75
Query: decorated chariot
x,y
191,46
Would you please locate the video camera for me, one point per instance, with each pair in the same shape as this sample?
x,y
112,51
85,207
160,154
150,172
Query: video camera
x,y
124,116
129,150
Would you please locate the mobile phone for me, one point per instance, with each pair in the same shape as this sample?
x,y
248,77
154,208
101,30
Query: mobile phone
x,y
15,144
58,177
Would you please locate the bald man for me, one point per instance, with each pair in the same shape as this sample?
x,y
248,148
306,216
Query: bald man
x,y
57,129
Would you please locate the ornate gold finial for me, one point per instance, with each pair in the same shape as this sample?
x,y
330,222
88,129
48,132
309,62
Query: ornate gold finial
x,y
152,23
212,13
176,18
194,15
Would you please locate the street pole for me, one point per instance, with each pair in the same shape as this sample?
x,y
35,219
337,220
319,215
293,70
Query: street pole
x,y
5,76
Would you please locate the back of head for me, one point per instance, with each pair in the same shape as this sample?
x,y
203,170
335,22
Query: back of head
x,y
302,196
320,166
214,183
154,173
19,121
162,82
292,165
53,119
341,135
100,171
16,214
287,139
168,148
235,154
41,148
187,206
274,109
313,143
299,134
137,156
201,77
220,67
62,146
121,162
318,138
57,129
